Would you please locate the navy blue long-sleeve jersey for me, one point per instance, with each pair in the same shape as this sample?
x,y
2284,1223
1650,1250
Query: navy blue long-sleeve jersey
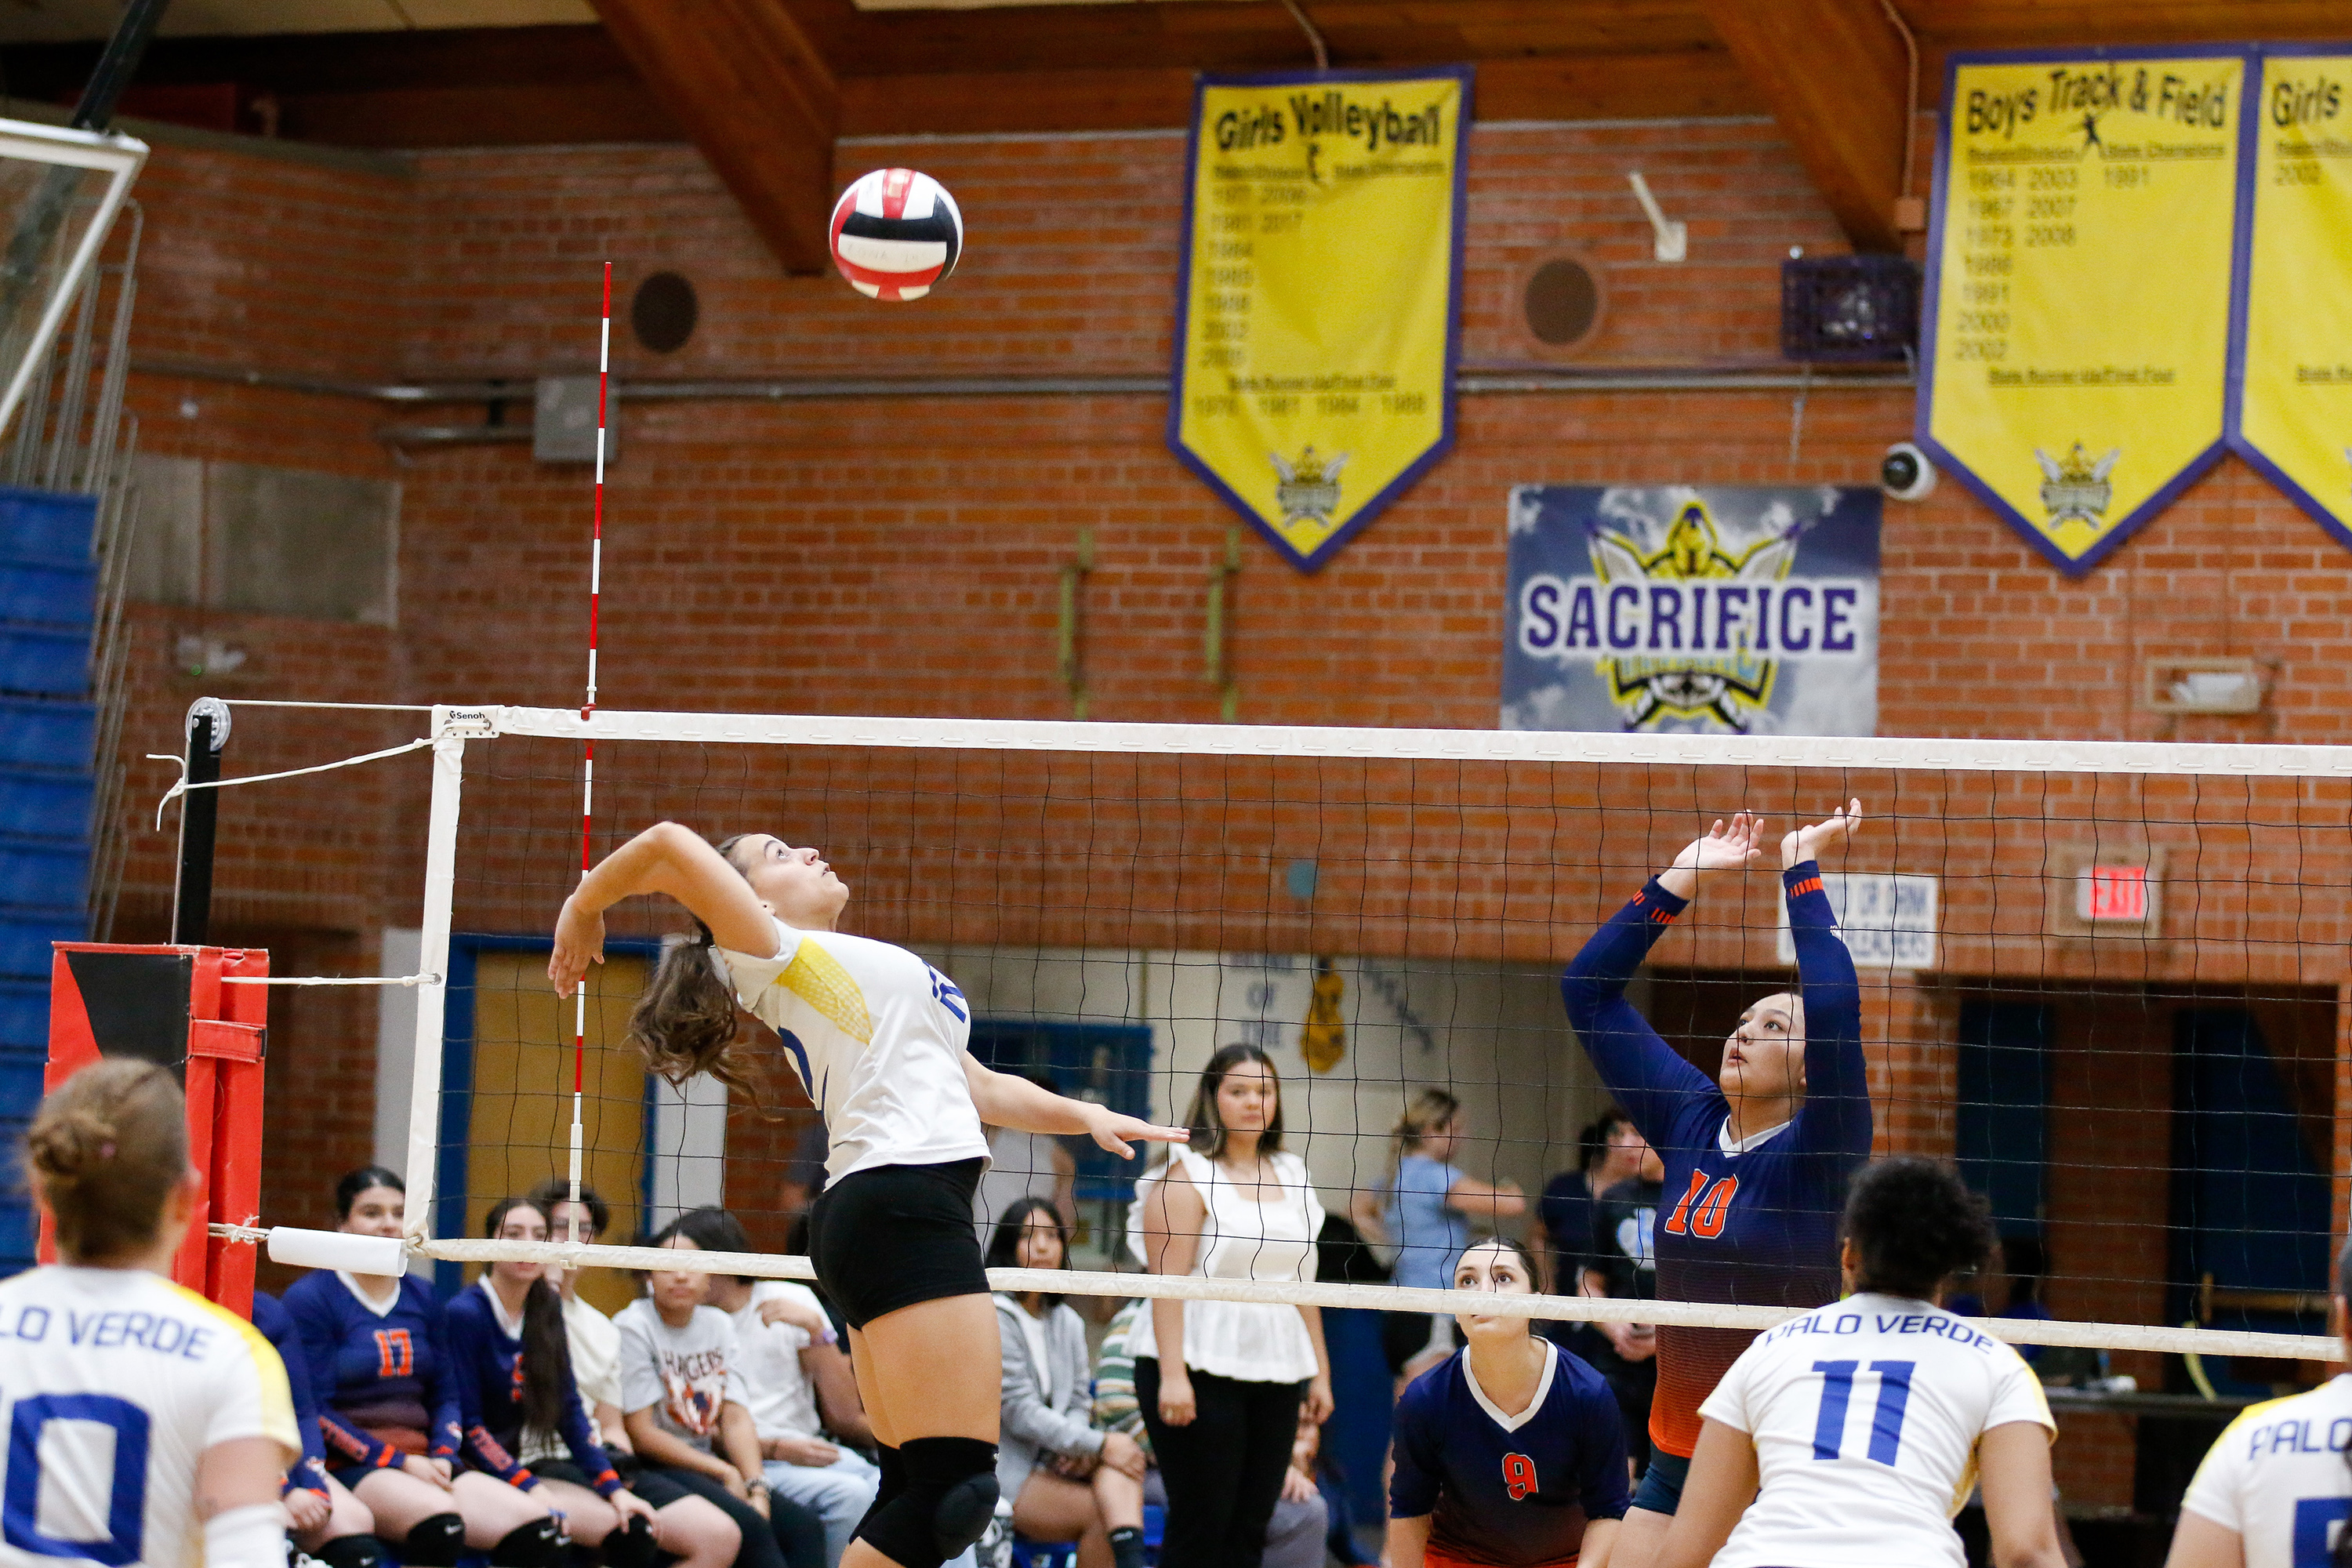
x,y
1509,1490
487,1365
277,1326
382,1372
1756,1226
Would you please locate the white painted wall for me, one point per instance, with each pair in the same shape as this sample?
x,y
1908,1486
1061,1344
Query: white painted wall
x,y
1492,1035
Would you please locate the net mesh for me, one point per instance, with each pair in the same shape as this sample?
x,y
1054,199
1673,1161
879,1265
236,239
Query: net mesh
x,y
2113,996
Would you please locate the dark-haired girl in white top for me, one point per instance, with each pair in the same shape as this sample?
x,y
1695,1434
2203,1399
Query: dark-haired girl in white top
x,y
877,1038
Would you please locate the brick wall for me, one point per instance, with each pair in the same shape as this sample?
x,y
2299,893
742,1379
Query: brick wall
x,y
902,557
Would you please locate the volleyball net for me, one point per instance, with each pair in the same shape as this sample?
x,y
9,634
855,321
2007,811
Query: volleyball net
x,y
2107,979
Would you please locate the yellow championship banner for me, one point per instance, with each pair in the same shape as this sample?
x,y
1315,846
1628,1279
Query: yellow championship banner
x,y
2075,340
2290,404
1317,314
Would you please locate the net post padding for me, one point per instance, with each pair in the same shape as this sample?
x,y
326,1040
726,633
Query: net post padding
x,y
1393,1299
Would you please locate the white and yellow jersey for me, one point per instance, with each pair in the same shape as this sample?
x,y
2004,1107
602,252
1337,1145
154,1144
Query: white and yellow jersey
x,y
2278,1477
112,1382
877,1037
1866,1415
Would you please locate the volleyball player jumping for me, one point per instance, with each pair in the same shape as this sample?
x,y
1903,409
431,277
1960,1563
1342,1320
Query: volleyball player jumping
x,y
1757,1162
877,1038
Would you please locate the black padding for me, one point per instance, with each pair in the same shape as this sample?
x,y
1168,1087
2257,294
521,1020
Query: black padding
x,y
950,1498
351,1551
539,1544
434,1543
632,1546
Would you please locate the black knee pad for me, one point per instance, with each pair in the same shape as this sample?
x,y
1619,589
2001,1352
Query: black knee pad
x,y
351,1551
632,1545
949,1497
434,1543
539,1544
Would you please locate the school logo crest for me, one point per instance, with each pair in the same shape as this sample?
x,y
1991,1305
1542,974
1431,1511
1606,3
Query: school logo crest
x,y
1730,687
2073,488
1308,489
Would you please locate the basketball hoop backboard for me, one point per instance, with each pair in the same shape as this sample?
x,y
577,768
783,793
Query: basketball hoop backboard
x,y
60,191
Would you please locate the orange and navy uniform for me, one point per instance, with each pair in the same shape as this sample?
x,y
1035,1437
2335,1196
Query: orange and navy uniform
x,y
488,1371
1755,1224
381,1379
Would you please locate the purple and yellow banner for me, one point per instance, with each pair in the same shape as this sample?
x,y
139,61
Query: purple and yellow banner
x,y
2290,404
1317,308
2075,338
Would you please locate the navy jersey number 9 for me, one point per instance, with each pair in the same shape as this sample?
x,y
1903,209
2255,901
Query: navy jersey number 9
x,y
126,1505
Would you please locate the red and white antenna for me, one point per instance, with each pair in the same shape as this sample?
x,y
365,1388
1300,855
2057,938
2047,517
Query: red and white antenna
x,y
588,742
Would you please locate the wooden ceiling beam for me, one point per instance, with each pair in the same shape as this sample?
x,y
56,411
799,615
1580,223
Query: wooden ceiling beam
x,y
1836,77
746,83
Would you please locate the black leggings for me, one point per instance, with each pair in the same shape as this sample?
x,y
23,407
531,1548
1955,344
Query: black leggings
x,y
1224,1472
789,1537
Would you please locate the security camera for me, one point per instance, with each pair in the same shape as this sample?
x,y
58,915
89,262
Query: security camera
x,y
1905,473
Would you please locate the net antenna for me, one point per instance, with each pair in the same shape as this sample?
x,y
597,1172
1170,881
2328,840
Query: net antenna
x,y
588,739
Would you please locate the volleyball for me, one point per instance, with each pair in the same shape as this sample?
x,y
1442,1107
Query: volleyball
x,y
895,233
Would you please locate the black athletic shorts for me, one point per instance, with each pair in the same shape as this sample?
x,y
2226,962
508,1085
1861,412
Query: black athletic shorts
x,y
896,1236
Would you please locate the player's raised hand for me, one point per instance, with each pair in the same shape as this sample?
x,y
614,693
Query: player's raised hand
x,y
1725,849
579,941
1807,843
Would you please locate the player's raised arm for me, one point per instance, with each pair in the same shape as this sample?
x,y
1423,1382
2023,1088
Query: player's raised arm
x,y
1837,1093
1641,1069
663,859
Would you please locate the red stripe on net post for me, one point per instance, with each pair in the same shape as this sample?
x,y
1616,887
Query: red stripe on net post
x,y
588,743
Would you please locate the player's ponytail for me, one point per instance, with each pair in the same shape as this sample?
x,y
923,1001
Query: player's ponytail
x,y
1914,1223
104,1153
546,1351
685,1021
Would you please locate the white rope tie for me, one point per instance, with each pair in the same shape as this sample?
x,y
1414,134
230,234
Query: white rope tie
x,y
183,786
409,980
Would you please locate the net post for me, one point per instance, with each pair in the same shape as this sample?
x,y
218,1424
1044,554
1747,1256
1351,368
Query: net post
x,y
433,965
192,893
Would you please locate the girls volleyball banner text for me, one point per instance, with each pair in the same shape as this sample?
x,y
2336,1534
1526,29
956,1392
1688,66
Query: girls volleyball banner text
x,y
2079,284
2291,412
1717,611
1317,307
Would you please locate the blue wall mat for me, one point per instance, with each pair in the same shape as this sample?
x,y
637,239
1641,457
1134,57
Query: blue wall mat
x,y
52,595
24,938
46,734
24,1018
45,805
20,1091
46,874
39,525
45,663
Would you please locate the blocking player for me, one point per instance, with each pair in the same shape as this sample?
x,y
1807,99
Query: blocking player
x,y
1757,1162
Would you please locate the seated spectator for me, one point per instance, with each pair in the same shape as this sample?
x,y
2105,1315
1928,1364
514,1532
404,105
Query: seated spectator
x,y
594,1342
688,1413
1293,1537
514,1373
800,1385
1066,1480
329,1522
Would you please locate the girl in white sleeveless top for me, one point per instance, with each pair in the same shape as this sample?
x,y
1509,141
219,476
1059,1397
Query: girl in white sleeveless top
x,y
1221,1383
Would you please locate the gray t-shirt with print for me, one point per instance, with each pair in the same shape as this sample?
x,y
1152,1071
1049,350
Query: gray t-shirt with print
x,y
686,1374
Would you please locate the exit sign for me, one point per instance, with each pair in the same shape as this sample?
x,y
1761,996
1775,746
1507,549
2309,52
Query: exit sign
x,y
2111,895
